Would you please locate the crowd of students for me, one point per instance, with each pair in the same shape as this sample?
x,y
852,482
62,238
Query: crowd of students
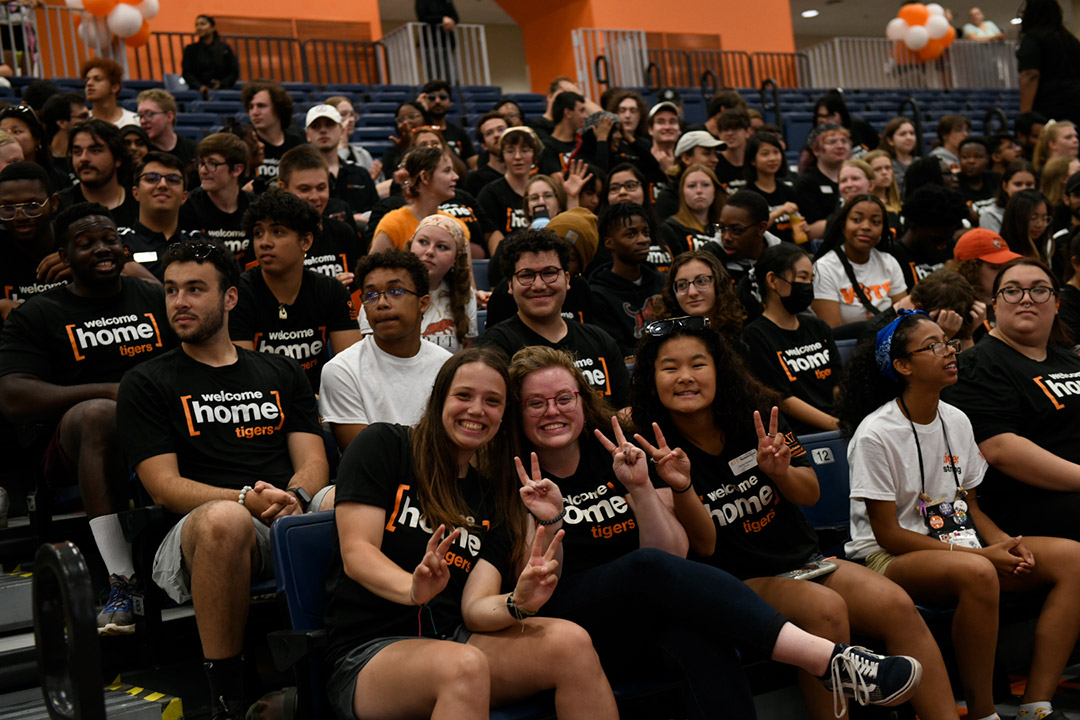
x,y
620,442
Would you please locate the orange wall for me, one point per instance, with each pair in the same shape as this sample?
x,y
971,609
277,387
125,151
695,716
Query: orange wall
x,y
179,15
546,26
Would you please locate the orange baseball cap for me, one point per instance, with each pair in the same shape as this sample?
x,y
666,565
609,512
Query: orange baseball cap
x,y
985,245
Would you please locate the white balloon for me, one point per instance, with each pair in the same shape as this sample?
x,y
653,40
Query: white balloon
x,y
935,9
916,38
92,34
896,29
937,26
124,20
74,4
148,8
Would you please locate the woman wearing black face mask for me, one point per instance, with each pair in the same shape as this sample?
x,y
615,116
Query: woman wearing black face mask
x,y
790,352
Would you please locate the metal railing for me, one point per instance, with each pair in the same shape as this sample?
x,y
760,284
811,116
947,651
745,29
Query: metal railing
x,y
880,63
278,58
787,70
338,62
417,52
50,45
609,58
709,69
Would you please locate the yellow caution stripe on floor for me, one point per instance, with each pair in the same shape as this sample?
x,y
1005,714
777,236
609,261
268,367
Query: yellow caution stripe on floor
x,y
172,708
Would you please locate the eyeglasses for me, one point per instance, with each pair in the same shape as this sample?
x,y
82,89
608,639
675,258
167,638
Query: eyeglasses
x,y
701,282
210,165
661,328
409,116
1044,219
732,229
370,297
174,179
438,96
1038,295
543,197
938,349
149,114
537,405
29,209
628,186
549,275
511,115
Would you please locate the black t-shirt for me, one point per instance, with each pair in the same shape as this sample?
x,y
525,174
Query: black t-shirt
x,y
18,272
147,247
816,195
1056,55
186,151
354,185
200,214
759,532
458,140
680,238
556,154
624,307
596,353
915,264
784,193
1002,391
477,179
228,426
334,251
802,363
667,203
577,306
1069,311
377,469
503,209
600,525
732,177
272,154
125,216
321,307
991,181
69,340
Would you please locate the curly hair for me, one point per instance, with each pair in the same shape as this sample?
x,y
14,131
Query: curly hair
x,y
281,101
863,389
738,393
395,259
727,314
298,215
533,241
597,411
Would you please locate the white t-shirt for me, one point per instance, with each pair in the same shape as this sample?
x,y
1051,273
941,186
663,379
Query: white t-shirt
x,y
885,466
363,384
880,277
437,325
127,117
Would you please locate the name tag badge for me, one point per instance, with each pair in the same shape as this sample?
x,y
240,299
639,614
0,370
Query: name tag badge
x,y
827,189
144,257
744,462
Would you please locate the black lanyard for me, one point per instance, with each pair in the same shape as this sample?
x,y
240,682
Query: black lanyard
x,y
925,499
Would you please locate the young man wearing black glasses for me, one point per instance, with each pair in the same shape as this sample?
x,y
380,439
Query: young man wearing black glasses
x,y
227,438
436,97
216,208
62,354
388,376
536,261
160,189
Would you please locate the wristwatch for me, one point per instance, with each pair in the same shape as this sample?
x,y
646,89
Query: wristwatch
x,y
301,495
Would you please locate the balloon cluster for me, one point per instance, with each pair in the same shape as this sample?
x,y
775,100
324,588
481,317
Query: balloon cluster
x,y
128,19
923,29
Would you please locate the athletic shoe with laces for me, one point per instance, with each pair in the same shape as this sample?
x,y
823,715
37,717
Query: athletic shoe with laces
x,y
224,709
118,615
869,678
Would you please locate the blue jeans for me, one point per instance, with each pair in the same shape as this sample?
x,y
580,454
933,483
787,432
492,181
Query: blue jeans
x,y
703,619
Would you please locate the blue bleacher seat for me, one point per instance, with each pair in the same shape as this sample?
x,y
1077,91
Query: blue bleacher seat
x,y
828,451
345,88
216,107
198,119
195,132
480,274
481,321
846,347
225,95
374,120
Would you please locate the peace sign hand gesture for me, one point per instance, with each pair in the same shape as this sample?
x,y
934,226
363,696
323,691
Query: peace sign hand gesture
x,y
537,581
773,454
542,497
630,464
431,575
673,466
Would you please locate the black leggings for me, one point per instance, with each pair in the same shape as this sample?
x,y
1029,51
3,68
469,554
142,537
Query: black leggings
x,y
698,617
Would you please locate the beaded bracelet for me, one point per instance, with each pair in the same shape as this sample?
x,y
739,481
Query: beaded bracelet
x,y
243,493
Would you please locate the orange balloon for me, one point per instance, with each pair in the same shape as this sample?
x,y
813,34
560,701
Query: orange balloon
x,y
914,14
933,50
101,8
78,20
140,38
950,35
131,2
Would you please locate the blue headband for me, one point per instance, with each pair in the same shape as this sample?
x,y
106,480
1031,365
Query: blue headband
x,y
883,345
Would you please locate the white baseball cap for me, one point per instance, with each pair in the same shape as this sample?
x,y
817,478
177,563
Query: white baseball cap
x,y
322,111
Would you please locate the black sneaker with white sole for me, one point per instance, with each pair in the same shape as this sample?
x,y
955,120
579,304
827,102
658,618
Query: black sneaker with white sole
x,y
869,678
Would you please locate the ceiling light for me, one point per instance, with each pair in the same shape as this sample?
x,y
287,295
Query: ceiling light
x,y
810,13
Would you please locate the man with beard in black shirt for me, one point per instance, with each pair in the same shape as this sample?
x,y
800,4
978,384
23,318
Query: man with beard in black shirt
x,y
102,166
62,355
27,207
228,438
270,110
537,261
216,208
435,95
489,128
